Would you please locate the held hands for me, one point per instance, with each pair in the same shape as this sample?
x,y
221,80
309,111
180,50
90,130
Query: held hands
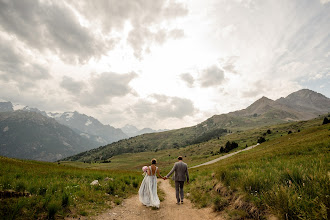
x,y
164,178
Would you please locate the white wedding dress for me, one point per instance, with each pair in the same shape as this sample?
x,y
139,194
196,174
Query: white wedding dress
x,y
148,190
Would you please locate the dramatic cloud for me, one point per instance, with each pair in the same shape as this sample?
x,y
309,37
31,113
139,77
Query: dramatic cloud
x,y
99,89
212,76
146,18
188,79
50,26
72,85
162,107
18,68
108,58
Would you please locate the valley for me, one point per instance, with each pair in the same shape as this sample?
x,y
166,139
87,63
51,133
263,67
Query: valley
x,y
278,170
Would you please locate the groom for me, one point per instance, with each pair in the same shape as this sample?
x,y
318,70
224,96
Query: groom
x,y
181,174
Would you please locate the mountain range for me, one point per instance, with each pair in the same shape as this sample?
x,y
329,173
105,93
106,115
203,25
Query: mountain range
x,y
85,132
30,135
301,105
132,131
34,134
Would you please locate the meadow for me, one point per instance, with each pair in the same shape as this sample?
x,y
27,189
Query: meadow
x,y
287,177
55,191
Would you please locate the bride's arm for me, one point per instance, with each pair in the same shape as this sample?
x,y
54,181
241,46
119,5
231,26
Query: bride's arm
x,y
160,176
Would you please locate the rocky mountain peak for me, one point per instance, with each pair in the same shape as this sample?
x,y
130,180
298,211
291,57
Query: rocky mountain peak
x,y
6,107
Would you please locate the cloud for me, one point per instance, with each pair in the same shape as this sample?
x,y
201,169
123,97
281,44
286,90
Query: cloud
x,y
212,76
51,26
188,79
15,67
150,20
72,85
142,38
324,1
99,89
159,107
228,65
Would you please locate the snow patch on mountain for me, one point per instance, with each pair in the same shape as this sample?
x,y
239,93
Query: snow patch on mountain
x,y
88,122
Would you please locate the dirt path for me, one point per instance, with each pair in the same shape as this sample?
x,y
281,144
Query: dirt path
x,y
224,157
133,209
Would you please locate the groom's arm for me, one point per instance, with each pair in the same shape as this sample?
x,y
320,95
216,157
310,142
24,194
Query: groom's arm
x,y
187,173
170,173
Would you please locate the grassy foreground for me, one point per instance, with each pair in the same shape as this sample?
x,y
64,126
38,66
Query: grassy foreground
x,y
56,191
288,176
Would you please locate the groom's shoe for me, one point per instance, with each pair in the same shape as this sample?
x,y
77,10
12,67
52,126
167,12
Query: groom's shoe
x,y
181,201
178,203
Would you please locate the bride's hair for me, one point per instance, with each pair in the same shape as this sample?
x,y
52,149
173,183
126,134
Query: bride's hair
x,y
153,161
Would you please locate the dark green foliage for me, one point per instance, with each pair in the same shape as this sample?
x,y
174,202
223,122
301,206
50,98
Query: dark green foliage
x,y
269,131
228,147
290,132
261,140
325,121
65,199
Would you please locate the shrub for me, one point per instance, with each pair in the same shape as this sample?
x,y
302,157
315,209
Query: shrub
x,y
53,207
261,140
219,203
65,200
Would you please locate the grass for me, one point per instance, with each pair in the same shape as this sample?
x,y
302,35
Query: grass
x,y
288,176
57,191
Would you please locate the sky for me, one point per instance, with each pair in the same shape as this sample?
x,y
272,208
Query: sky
x,y
162,64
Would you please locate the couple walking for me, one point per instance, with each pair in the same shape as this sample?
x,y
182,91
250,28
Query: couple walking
x,y
148,189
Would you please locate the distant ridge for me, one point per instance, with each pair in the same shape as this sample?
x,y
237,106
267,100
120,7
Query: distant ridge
x,y
30,135
301,105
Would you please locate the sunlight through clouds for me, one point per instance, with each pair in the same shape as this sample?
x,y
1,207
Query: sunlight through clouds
x,y
161,64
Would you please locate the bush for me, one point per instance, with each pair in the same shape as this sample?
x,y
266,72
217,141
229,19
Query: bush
x,y
228,147
325,121
261,140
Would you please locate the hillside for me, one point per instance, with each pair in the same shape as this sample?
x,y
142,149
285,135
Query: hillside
x,y
30,135
284,176
263,112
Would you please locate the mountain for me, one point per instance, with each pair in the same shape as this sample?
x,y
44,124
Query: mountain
x,y
6,107
89,127
301,105
307,102
30,135
132,131
85,126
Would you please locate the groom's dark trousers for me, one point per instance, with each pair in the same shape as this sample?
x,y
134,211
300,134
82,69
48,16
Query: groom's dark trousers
x,y
179,190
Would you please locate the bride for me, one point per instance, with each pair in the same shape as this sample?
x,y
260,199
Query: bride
x,y
148,189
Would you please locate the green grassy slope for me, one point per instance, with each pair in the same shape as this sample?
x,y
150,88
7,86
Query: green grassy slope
x,y
58,191
198,153
216,126
288,176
